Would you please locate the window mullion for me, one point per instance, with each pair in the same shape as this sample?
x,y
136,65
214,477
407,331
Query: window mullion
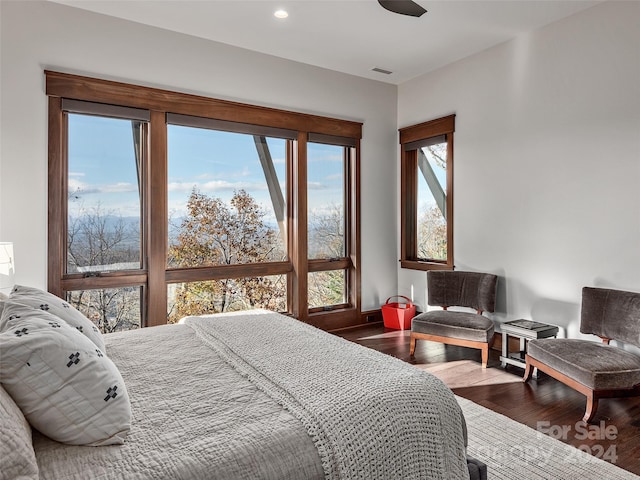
x,y
352,227
156,240
299,252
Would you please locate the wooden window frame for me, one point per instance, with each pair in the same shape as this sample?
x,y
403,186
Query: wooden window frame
x,y
410,139
154,276
346,263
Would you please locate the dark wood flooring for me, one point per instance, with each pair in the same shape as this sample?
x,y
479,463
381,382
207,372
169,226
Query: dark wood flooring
x,y
543,403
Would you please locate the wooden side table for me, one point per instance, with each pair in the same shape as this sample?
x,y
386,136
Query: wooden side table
x,y
524,330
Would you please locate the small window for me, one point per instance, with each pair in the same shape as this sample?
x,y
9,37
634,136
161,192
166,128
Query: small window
x,y
104,195
329,162
226,295
111,309
102,254
427,194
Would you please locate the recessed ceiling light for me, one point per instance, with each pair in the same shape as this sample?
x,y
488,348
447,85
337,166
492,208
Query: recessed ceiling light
x,y
281,14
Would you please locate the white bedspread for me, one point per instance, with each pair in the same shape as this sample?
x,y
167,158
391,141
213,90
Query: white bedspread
x,y
208,396
371,416
194,417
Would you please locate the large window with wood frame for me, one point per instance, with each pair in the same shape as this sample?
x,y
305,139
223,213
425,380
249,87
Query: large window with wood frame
x,y
163,205
329,171
427,194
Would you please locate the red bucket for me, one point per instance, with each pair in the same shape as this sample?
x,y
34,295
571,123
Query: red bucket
x,y
398,315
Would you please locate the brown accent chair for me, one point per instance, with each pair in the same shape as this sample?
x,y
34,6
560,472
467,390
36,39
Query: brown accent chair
x,y
597,370
457,289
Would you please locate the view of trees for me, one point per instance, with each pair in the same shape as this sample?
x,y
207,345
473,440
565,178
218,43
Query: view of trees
x,y
326,240
111,310
432,223
216,233
432,233
326,233
101,241
213,233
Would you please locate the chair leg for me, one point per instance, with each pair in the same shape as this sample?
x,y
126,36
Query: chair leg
x,y
412,346
528,372
592,406
485,355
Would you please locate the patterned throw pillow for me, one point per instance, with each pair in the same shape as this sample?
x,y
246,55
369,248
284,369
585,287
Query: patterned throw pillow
x,y
16,449
65,386
46,301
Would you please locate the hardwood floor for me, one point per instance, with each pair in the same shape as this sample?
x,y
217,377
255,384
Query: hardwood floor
x,y
543,404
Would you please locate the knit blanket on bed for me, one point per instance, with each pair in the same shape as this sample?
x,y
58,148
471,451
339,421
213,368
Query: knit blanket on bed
x,y
370,416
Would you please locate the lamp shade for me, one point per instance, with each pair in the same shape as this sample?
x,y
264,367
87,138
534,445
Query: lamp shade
x,y
6,267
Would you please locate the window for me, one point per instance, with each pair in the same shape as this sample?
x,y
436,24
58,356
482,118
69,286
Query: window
x,y
163,205
427,194
328,208
105,171
226,207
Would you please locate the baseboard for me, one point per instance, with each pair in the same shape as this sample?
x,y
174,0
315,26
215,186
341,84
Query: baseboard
x,y
371,316
368,317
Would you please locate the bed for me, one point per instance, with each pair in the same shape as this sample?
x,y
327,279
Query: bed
x,y
258,395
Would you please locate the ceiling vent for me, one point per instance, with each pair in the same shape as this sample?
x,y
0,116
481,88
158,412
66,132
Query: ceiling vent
x,y
381,70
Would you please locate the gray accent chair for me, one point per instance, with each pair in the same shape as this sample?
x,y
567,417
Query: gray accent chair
x,y
597,370
457,289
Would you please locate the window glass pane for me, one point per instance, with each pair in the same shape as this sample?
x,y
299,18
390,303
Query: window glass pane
x,y
327,288
226,198
325,198
432,201
103,229
228,295
112,309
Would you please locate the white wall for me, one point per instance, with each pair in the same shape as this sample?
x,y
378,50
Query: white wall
x,y
547,143
547,162
43,35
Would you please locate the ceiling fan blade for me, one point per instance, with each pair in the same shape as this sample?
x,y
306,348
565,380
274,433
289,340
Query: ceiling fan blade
x,y
403,7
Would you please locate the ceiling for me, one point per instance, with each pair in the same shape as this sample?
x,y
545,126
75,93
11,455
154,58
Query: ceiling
x,y
350,36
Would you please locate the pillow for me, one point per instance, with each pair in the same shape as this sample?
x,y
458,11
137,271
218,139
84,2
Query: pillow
x,y
16,449
66,387
46,301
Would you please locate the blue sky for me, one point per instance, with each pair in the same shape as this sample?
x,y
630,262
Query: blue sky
x,y
102,167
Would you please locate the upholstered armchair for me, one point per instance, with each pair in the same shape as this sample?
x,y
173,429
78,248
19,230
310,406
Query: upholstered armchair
x,y
597,370
446,289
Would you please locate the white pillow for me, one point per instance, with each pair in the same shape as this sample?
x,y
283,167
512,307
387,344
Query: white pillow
x,y
65,386
46,301
16,449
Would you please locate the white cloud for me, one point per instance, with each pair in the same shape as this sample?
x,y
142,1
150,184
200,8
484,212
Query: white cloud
x,y
215,186
77,187
120,187
329,157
